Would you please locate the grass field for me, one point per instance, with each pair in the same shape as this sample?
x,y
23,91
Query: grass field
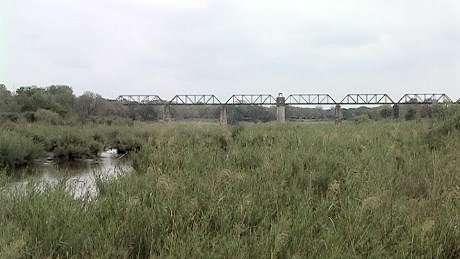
x,y
374,189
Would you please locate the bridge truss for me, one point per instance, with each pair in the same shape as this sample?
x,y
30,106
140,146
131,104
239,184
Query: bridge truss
x,y
366,99
281,102
310,99
424,99
251,99
292,99
195,99
141,99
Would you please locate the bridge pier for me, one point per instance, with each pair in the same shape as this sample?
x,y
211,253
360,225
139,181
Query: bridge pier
x,y
396,111
166,113
280,108
338,114
223,115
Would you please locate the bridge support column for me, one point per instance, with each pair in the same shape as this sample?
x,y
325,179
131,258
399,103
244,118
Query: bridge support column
x,y
223,115
166,113
338,114
280,108
395,111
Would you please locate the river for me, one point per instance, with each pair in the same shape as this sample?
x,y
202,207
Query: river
x,y
79,177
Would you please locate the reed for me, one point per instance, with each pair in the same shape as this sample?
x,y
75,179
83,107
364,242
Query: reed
x,y
368,189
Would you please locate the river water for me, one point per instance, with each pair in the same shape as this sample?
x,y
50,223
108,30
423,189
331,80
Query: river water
x,y
79,178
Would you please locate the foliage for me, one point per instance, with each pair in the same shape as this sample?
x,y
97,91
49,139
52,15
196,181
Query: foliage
x,y
293,112
386,112
47,116
22,142
60,99
411,114
444,129
16,150
71,145
251,113
361,118
372,189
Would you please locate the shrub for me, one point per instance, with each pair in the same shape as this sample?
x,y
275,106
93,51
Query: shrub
x,y
440,131
16,150
71,145
47,116
411,114
386,112
11,116
361,118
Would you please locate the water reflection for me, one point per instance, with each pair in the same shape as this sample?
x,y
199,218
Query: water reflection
x,y
79,178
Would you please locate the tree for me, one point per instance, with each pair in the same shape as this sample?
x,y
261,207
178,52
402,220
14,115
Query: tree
x,y
91,104
5,98
386,112
411,114
63,98
86,104
31,98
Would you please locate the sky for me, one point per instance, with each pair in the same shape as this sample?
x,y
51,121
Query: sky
x,y
170,47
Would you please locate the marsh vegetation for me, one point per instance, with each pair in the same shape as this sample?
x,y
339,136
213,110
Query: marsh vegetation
x,y
369,187
358,189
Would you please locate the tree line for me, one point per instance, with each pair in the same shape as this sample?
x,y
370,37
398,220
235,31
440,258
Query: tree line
x,y
58,104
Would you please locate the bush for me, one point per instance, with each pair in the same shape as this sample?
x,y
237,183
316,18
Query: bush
x,y
16,150
440,131
361,118
71,145
386,112
411,114
11,116
47,116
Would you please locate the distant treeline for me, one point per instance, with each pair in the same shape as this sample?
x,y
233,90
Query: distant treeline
x,y
58,104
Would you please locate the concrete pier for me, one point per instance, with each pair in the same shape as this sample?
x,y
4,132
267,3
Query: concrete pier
x,y
280,108
338,114
396,111
223,115
166,113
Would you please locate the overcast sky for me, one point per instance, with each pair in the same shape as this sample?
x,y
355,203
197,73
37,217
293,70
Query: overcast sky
x,y
169,47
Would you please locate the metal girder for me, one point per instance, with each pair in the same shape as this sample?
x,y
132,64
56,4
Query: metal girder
x,y
195,99
256,99
293,99
314,99
141,99
424,99
367,99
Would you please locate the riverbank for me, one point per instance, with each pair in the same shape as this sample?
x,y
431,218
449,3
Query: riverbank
x,y
22,143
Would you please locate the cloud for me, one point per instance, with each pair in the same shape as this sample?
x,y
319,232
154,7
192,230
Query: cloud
x,y
223,47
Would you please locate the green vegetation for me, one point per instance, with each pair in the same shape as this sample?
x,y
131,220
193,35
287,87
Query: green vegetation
x,y
16,150
57,105
21,143
370,189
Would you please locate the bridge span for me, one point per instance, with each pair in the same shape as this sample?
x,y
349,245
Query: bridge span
x,y
281,102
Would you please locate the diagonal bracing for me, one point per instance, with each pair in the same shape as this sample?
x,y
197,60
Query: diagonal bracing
x,y
310,99
426,98
363,99
251,99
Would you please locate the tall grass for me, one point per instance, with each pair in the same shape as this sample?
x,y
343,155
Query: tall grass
x,y
373,189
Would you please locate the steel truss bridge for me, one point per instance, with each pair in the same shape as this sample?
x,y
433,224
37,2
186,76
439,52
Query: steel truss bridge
x,y
293,99
280,101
